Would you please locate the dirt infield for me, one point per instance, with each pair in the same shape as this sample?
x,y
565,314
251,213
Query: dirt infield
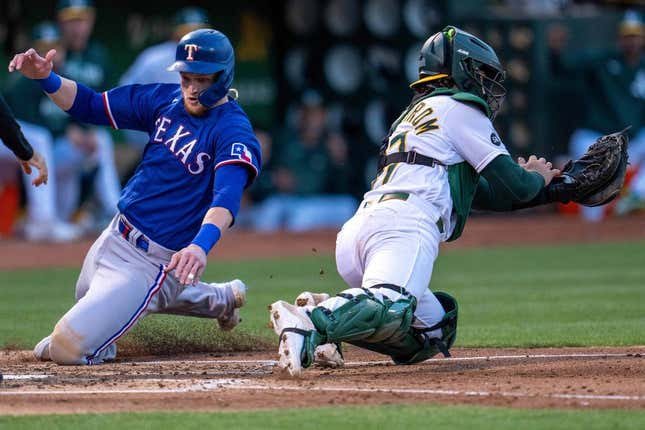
x,y
539,378
536,378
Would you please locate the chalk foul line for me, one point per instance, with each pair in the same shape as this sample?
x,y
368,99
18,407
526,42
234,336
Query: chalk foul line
x,y
245,384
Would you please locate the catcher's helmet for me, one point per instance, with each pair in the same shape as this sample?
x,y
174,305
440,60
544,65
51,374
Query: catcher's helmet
x,y
471,63
207,51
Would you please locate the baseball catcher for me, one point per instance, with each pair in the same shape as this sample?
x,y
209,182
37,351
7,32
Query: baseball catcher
x,y
441,158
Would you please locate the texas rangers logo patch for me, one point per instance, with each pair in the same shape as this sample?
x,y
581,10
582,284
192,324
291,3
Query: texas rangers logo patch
x,y
240,151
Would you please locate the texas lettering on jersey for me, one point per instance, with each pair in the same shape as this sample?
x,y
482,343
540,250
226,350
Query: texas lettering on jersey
x,y
180,144
163,200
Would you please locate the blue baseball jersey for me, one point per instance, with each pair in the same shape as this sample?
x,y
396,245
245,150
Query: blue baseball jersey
x,y
172,188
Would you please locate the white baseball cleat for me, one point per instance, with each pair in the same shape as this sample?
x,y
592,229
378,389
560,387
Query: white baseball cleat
x,y
310,299
41,351
232,319
283,316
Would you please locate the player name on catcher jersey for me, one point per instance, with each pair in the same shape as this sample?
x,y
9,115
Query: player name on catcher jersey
x,y
447,130
172,188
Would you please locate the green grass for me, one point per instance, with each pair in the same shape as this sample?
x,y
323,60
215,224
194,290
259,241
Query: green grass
x,y
539,296
351,418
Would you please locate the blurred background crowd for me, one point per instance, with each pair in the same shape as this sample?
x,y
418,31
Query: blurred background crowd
x,y
322,80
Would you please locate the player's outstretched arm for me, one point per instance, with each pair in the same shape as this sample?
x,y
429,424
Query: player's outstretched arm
x,y
61,90
594,179
505,185
81,102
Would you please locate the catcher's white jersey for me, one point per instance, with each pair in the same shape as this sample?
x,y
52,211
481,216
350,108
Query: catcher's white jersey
x,y
394,236
448,131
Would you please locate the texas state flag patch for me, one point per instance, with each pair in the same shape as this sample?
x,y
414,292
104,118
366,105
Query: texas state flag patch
x,y
240,151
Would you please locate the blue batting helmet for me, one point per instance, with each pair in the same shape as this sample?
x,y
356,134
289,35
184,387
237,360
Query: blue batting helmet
x,y
207,51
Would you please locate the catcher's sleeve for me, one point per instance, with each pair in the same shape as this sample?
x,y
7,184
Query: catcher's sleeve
x,y
11,134
504,186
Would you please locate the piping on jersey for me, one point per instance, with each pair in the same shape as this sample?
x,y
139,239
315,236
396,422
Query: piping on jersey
x,y
108,110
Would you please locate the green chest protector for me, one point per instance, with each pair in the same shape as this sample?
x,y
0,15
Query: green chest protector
x,y
462,177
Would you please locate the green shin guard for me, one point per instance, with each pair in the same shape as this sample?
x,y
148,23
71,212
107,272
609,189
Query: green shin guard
x,y
386,327
363,318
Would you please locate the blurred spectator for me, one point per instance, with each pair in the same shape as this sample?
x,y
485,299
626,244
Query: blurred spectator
x,y
612,87
150,67
85,153
537,7
40,121
307,194
339,176
263,187
633,30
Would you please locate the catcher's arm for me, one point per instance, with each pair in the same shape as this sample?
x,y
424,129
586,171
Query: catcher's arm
x,y
504,184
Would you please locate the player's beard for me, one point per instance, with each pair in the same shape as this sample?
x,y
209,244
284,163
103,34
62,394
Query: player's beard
x,y
193,107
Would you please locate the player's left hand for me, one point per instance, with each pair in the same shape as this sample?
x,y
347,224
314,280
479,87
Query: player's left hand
x,y
39,163
189,264
32,65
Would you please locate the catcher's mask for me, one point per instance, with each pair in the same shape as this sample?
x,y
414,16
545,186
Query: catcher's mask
x,y
471,63
207,51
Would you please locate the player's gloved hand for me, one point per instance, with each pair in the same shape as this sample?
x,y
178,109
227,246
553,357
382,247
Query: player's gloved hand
x,y
597,177
189,264
32,65
39,163
541,166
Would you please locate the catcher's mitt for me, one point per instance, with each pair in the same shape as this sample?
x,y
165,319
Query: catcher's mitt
x,y
598,176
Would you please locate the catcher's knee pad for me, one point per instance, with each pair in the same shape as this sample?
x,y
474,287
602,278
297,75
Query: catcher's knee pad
x,y
364,318
386,327
65,346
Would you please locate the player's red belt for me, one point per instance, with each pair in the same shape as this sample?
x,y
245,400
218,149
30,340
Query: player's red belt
x,y
125,229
